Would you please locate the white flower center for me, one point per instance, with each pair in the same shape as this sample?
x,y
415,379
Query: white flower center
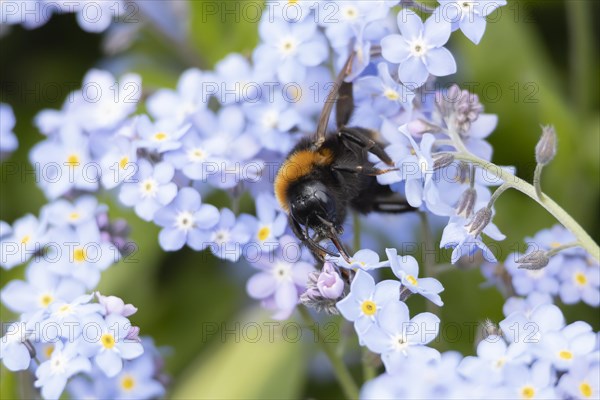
x,y
288,45
350,13
196,155
221,236
58,364
418,47
400,343
270,119
64,310
282,271
148,188
184,221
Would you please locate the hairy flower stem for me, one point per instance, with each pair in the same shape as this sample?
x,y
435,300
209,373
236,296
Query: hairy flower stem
x,y
501,189
339,368
537,180
512,181
369,371
556,250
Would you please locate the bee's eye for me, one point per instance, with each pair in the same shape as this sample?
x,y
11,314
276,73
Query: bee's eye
x,y
312,204
326,204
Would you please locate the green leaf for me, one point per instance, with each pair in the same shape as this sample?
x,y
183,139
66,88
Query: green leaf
x,y
255,364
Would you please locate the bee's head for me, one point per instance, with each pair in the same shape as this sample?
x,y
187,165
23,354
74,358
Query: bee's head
x,y
314,206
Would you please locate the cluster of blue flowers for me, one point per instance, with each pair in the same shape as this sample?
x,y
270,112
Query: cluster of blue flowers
x,y
91,16
533,354
62,332
165,163
571,275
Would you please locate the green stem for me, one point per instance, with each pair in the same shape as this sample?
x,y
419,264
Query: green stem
x,y
550,205
497,194
581,38
339,368
537,180
558,249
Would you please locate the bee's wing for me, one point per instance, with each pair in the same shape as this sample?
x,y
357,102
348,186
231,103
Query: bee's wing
x,y
330,101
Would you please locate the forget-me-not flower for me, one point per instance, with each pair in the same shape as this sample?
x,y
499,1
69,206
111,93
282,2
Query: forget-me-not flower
x,y
419,49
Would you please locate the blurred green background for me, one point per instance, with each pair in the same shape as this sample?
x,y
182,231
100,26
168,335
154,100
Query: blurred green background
x,y
537,64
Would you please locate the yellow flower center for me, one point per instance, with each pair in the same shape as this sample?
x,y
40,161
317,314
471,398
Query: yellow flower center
x,y
74,216
128,382
391,94
292,2
294,93
64,309
108,341
585,389
160,136
527,392
500,362
565,354
123,162
555,245
264,233
350,12
73,160
46,299
412,280
25,239
580,278
79,255
368,307
48,350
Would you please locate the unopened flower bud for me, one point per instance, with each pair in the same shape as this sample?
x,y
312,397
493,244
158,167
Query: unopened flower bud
x,y
489,328
466,203
114,305
459,106
420,127
133,333
535,260
545,150
480,220
442,160
330,284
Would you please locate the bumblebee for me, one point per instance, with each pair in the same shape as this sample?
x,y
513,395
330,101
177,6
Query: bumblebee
x,y
327,174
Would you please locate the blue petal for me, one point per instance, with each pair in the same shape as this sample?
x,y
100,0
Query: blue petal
x,y
473,27
394,48
437,33
172,239
440,62
410,24
109,362
413,72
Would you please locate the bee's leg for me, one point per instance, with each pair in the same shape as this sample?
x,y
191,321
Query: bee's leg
x,y
392,204
344,105
315,248
362,138
362,169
